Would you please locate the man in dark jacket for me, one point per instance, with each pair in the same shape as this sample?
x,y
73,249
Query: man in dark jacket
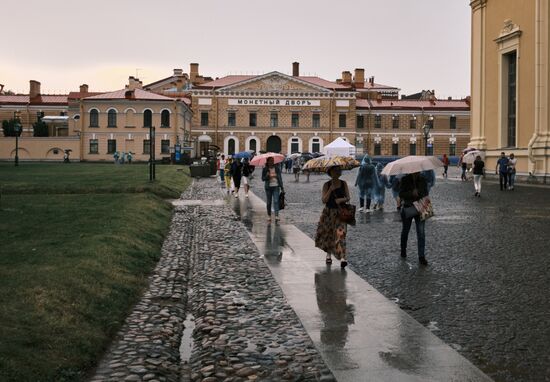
x,y
413,188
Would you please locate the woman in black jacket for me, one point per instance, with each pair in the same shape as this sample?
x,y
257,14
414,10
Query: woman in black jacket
x,y
413,188
236,173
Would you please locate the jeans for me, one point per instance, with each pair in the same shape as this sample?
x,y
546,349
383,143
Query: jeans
x,y
420,234
365,194
272,193
445,170
222,175
511,179
477,182
503,180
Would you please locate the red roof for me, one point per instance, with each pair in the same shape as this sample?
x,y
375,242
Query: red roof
x,y
139,94
412,104
233,79
371,86
79,95
43,99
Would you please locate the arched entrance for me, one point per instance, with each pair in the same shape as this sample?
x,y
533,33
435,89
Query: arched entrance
x,y
273,144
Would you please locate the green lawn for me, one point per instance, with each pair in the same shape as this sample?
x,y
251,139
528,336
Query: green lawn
x,y
79,178
73,264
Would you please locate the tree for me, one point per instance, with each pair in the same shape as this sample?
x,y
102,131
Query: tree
x,y
8,126
40,129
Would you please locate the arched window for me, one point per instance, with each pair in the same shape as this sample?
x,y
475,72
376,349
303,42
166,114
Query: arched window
x,y
165,118
231,146
147,118
94,118
111,118
252,145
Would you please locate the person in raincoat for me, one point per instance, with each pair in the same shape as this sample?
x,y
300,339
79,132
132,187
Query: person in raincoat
x,y
429,175
394,183
366,182
380,188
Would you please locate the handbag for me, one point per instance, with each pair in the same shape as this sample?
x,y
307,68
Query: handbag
x,y
424,208
346,213
282,200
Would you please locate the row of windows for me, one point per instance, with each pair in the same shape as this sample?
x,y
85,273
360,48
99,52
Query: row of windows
x,y
147,118
273,119
316,120
111,146
413,123
412,149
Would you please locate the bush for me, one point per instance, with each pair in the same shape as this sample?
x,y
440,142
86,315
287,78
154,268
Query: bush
x,y
40,129
9,128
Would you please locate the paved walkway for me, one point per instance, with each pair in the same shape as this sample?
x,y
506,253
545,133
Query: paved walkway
x,y
360,334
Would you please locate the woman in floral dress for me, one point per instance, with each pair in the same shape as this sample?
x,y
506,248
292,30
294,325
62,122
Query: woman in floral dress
x,y
331,232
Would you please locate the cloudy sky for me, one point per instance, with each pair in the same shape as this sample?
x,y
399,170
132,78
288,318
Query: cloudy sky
x,y
411,44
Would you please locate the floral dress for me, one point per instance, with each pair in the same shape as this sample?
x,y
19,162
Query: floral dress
x,y
331,233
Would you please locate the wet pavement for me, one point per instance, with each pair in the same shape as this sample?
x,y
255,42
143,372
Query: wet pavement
x,y
484,292
361,335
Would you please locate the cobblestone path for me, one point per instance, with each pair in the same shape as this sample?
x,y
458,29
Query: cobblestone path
x,y
211,279
485,291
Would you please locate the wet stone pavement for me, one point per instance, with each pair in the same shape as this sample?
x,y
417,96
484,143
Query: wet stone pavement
x,y
485,290
213,311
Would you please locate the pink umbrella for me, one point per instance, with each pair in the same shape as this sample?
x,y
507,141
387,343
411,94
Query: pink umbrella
x,y
259,160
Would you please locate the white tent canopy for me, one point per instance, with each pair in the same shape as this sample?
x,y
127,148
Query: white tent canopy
x,y
339,147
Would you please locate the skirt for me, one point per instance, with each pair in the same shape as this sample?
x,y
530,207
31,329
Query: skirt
x,y
331,233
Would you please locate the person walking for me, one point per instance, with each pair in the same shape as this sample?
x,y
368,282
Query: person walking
x,y
479,172
394,183
380,188
429,175
129,157
116,155
446,162
502,171
227,174
296,167
331,232
221,169
413,188
512,171
464,167
247,172
236,173
122,156
273,185
365,181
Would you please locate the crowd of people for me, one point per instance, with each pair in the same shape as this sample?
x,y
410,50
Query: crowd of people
x,y
122,157
407,190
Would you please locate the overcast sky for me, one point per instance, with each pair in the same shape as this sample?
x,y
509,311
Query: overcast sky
x,y
411,44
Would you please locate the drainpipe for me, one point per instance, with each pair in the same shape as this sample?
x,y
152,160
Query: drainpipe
x,y
538,75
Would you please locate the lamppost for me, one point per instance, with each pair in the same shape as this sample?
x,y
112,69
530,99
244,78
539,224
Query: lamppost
x,y
17,127
426,130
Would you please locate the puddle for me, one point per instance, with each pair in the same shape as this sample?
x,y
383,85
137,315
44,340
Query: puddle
x,y
186,345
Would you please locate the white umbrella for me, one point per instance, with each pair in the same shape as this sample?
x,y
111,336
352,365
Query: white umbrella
x,y
295,155
412,164
470,156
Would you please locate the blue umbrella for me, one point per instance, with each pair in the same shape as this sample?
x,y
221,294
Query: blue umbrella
x,y
243,154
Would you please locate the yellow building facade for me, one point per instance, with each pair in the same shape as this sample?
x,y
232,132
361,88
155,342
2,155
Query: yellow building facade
x,y
510,82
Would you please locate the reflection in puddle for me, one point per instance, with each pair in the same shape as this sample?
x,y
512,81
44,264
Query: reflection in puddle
x,y
336,313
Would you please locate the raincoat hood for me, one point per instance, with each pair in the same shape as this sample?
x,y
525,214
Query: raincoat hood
x,y
366,160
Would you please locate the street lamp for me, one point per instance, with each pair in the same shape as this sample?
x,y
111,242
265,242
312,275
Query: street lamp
x,y
426,130
18,128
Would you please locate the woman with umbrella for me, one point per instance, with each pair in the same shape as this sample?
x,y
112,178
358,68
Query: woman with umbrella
x,y
331,232
413,188
273,184
236,173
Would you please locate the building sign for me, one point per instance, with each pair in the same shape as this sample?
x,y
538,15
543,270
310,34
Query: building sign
x,y
272,102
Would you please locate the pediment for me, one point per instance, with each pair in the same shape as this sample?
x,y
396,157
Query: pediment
x,y
275,82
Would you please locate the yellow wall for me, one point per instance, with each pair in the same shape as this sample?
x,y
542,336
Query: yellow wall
x,y
40,148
